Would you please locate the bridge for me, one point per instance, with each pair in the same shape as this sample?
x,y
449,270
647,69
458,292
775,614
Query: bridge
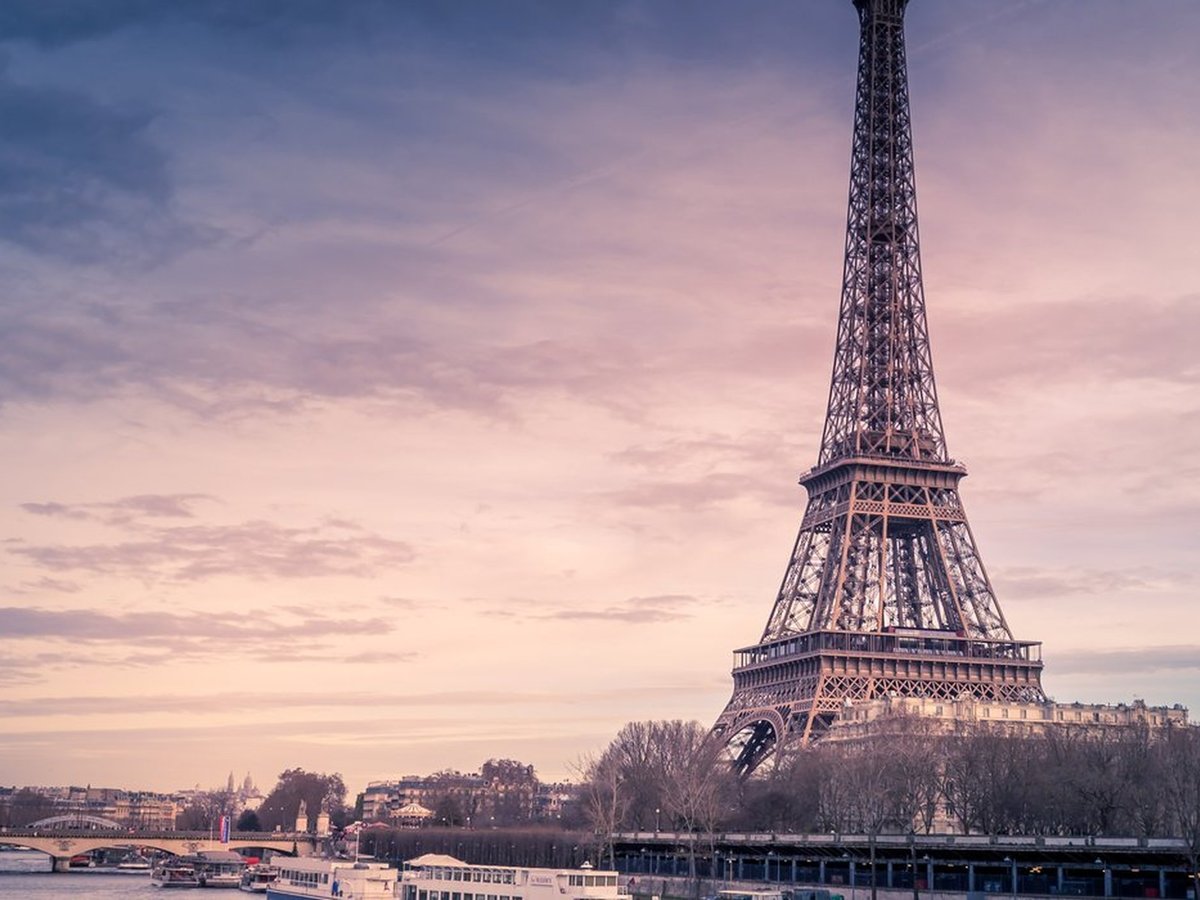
x,y
61,843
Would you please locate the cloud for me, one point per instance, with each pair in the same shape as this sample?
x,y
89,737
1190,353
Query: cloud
x,y
644,610
54,25
125,510
250,701
708,449
1171,658
254,549
386,657
704,491
88,626
55,510
59,585
105,641
83,181
268,326
1033,582
637,610
640,610
1079,339
401,602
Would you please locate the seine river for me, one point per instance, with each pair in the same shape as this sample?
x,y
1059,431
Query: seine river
x,y
25,874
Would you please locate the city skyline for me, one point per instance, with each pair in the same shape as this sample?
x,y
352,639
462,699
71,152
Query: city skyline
x,y
387,389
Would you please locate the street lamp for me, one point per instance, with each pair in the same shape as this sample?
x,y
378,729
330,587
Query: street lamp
x,y
656,819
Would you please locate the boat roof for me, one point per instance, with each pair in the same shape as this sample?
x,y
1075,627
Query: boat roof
x,y
436,859
218,856
320,863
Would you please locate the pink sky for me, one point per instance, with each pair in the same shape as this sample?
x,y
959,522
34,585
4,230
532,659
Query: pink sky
x,y
393,392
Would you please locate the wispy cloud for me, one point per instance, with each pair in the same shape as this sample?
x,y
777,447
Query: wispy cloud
x,y
188,553
125,510
58,585
703,491
152,639
644,610
1079,339
249,701
1171,658
1031,582
90,625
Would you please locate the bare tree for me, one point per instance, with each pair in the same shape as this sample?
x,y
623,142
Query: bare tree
x,y
1181,784
604,799
697,782
1148,814
835,799
663,773
915,763
973,777
636,752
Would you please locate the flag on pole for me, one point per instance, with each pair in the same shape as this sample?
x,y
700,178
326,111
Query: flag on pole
x,y
224,829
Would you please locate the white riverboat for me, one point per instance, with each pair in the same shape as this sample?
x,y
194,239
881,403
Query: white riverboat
x,y
437,877
173,874
316,879
217,868
258,877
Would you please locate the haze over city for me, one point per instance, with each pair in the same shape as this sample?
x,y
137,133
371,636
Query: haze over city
x,y
390,387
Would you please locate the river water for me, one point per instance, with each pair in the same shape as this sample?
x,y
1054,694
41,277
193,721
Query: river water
x,y
25,874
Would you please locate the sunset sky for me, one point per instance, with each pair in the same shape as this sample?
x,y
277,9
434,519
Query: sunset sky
x,y
385,387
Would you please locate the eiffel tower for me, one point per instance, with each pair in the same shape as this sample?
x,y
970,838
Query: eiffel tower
x,y
885,592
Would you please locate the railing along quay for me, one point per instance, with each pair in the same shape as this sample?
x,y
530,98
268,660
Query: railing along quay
x,y
1009,865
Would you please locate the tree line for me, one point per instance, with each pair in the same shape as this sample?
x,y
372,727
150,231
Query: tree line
x,y
909,776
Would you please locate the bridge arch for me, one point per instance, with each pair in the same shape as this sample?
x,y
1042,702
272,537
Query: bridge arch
x,y
62,844
77,821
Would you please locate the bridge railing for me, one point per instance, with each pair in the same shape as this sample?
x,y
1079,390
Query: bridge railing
x,y
126,834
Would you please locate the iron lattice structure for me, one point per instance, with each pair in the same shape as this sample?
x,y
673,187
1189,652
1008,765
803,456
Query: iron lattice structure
x,y
885,592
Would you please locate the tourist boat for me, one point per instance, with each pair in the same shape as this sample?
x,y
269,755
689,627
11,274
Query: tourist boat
x,y
218,868
431,876
173,874
303,878
257,878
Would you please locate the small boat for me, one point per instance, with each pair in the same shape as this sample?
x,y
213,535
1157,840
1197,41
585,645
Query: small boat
x,y
134,864
173,874
219,868
257,878
317,879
